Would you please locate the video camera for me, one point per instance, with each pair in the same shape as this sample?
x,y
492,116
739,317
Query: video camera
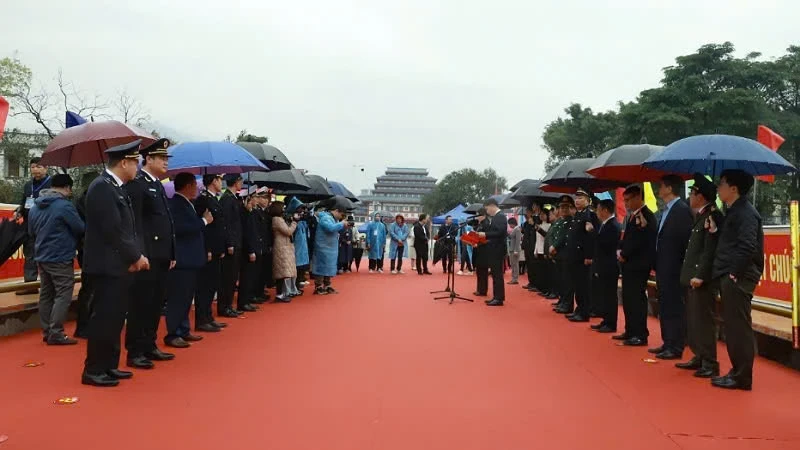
x,y
351,221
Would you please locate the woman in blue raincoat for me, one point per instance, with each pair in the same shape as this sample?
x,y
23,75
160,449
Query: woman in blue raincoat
x,y
326,249
376,243
398,233
465,252
301,236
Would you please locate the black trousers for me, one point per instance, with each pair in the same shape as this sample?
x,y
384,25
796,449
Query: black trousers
x,y
250,275
739,336
543,273
146,299
266,281
29,266
447,261
498,282
581,277
634,302
672,311
181,287
84,306
398,258
230,275
109,306
482,276
422,258
702,331
358,254
376,264
604,290
208,284
566,285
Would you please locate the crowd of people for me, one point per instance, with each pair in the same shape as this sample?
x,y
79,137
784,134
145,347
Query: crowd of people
x,y
575,254
143,254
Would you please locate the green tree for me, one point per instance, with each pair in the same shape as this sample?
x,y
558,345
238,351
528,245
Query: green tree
x,y
14,77
244,136
581,134
463,187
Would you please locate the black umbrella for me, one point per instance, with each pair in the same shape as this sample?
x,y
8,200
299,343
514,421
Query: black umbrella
x,y
528,192
280,179
320,190
267,154
337,202
505,201
624,163
522,183
11,236
473,208
571,175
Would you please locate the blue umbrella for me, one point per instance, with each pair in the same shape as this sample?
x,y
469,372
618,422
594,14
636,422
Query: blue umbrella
x,y
339,189
713,153
212,157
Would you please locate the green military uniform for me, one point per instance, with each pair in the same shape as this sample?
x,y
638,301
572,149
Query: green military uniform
x,y
563,246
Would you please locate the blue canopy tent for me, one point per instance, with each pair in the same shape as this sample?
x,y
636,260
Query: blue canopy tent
x,y
457,213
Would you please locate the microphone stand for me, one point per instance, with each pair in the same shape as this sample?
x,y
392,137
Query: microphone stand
x,y
451,277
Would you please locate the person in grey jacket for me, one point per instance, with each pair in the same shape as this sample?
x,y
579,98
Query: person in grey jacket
x,y
514,249
56,228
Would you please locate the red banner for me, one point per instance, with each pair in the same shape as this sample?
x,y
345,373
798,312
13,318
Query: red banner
x,y
4,106
776,282
13,267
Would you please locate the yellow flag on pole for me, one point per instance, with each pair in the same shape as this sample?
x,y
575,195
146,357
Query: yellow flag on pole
x,y
649,197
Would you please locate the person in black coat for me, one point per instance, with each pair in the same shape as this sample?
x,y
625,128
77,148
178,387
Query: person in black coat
x,y
636,256
495,232
421,244
674,230
39,181
582,234
156,235
251,254
190,258
448,233
85,292
232,214
738,266
112,253
605,269
529,233
210,277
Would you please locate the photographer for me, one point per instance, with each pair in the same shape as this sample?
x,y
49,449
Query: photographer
x,y
398,231
346,247
284,267
302,235
323,262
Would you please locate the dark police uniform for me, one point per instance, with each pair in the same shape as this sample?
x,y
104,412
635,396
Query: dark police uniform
x,y
156,233
111,247
565,257
208,283
232,216
251,271
582,245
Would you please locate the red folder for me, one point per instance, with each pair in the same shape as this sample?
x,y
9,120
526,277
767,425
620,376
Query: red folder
x,y
473,238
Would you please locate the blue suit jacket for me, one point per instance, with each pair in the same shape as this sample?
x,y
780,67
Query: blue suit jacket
x,y
190,249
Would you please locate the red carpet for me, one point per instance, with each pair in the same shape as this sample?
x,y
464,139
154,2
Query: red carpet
x,y
382,366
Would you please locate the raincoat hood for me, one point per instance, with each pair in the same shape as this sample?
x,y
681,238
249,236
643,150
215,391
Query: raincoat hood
x,y
47,197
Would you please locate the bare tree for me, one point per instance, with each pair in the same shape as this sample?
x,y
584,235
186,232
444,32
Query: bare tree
x,y
36,104
131,110
76,101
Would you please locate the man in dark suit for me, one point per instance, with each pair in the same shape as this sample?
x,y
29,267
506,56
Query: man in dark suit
x,y
605,269
112,253
190,257
529,232
232,214
480,259
495,232
156,236
421,244
210,276
738,266
674,230
582,233
448,231
696,276
636,255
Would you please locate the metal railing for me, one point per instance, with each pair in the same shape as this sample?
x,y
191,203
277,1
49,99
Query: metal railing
x,y
25,285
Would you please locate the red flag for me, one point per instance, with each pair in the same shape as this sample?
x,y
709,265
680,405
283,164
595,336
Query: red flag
x,y
772,141
3,115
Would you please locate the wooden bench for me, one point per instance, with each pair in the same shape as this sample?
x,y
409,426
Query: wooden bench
x,y
21,312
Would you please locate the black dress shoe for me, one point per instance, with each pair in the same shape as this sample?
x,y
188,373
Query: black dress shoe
x,y
728,382
229,313
606,329
656,350
707,372
635,342
208,328
578,318
562,311
595,315
158,355
478,294
102,380
192,338
177,343
219,324
248,308
61,340
620,337
669,354
597,326
140,362
693,364
570,315
119,374
495,302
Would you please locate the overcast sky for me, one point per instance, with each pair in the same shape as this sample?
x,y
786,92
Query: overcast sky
x,y
338,84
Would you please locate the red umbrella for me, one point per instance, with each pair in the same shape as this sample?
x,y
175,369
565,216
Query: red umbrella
x,y
84,145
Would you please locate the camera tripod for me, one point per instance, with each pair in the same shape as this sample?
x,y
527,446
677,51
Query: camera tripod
x,y
451,280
